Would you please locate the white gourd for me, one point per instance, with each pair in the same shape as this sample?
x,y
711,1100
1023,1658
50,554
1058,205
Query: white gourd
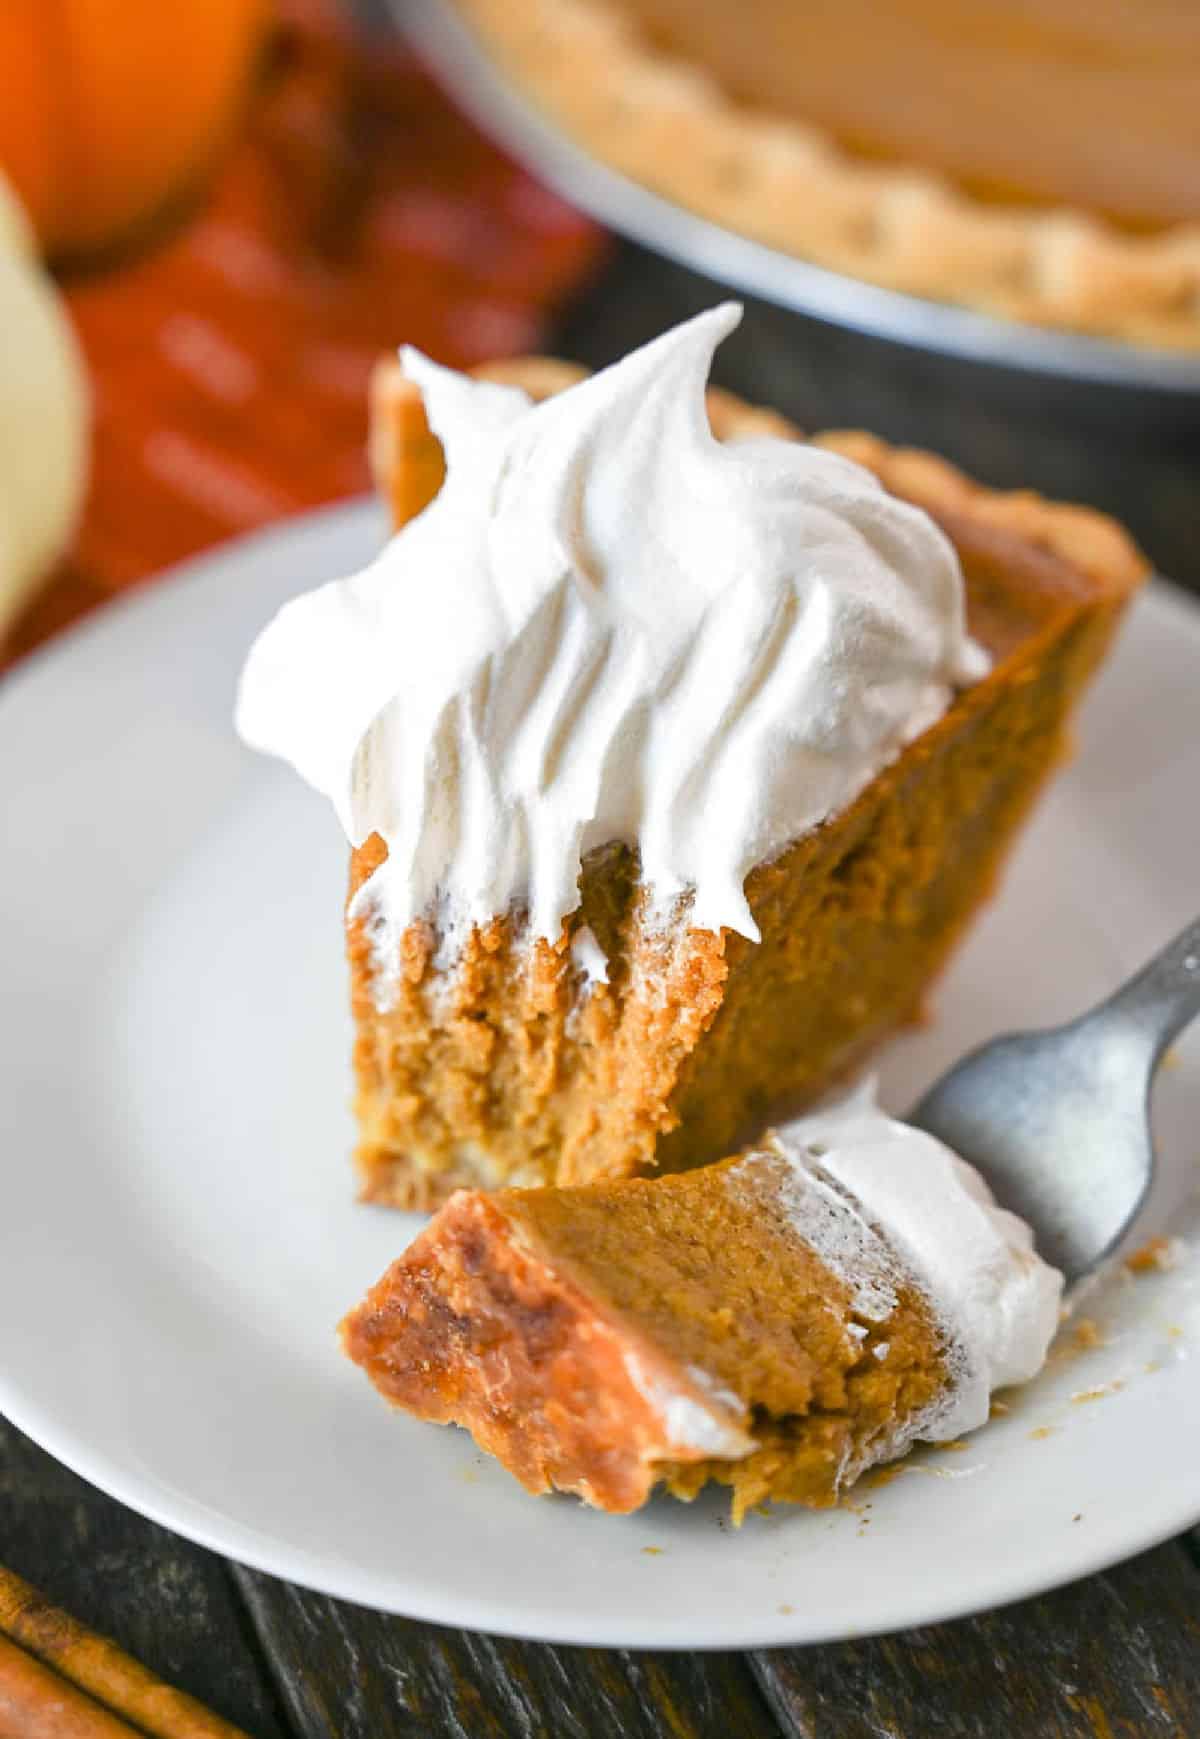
x,y
43,415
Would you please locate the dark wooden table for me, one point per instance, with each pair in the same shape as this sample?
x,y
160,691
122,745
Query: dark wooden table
x,y
1118,1654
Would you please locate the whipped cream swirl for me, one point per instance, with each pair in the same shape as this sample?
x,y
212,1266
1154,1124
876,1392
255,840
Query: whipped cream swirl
x,y
609,626
902,1205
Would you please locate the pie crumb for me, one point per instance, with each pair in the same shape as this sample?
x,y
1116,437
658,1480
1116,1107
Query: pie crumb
x,y
1155,1257
1088,1334
1099,1392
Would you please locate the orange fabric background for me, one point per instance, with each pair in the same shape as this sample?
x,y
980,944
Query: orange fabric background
x,y
229,362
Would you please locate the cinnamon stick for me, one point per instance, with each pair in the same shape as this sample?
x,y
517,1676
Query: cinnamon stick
x,y
115,1681
36,1701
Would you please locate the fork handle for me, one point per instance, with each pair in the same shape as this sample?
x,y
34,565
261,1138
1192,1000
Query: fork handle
x,y
1161,999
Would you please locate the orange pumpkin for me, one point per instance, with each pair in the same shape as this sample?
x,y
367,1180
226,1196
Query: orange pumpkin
x,y
109,108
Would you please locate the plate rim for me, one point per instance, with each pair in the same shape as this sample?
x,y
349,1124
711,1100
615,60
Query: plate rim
x,y
1121,1533
455,1612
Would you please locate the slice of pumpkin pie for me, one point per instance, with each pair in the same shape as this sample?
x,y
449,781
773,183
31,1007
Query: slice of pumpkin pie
x,y
778,1322
675,752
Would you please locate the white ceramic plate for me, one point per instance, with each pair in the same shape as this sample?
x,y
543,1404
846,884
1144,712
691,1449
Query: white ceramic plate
x,y
178,1235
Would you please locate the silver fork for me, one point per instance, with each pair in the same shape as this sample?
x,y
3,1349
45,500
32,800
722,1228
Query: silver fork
x,y
1058,1121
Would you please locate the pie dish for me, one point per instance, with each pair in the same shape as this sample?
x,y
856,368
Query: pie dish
x,y
520,1079
1053,180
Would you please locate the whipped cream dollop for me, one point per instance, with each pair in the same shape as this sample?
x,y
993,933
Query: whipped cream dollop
x,y
609,626
881,1202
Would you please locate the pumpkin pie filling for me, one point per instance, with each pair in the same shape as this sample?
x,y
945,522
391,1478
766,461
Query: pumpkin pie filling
x,y
774,1323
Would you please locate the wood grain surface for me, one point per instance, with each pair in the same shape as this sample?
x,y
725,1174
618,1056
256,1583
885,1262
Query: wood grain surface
x,y
343,1664
168,1603
1117,1655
